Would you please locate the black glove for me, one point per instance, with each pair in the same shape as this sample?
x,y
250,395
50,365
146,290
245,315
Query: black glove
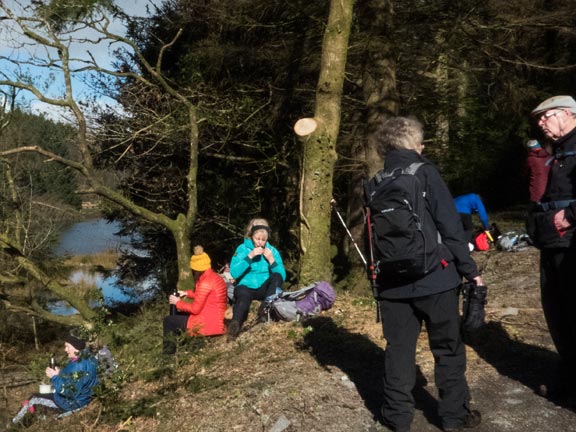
x,y
474,299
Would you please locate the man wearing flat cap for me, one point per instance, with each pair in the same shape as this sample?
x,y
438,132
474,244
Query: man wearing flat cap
x,y
551,226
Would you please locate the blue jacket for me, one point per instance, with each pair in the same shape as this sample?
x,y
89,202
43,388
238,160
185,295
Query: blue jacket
x,y
73,385
471,203
252,273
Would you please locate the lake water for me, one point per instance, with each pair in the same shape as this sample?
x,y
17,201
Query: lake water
x,y
90,237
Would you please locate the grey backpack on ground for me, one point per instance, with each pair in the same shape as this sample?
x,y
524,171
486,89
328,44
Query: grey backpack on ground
x,y
513,241
303,303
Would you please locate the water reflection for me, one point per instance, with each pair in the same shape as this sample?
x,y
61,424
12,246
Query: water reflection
x,y
113,293
91,237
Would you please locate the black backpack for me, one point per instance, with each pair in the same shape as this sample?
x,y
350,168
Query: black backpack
x,y
402,237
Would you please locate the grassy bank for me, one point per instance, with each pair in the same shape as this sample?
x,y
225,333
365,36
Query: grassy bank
x,y
103,260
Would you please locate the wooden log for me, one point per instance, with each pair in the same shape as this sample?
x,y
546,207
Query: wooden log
x,y
17,383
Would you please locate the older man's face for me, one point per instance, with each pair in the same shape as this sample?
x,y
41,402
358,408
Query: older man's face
x,y
554,123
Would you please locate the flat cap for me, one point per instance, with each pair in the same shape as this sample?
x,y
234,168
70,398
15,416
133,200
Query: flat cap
x,y
555,102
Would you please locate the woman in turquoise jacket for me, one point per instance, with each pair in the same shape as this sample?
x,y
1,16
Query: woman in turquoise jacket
x,y
257,270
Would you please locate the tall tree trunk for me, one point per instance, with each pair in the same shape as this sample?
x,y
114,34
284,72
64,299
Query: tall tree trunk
x,y
181,233
319,136
441,78
380,95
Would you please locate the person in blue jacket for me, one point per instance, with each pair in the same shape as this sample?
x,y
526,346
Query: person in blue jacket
x,y
467,205
257,270
72,385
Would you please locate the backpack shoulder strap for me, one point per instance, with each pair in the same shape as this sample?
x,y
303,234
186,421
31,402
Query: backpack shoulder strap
x,y
410,170
413,167
564,154
379,176
560,155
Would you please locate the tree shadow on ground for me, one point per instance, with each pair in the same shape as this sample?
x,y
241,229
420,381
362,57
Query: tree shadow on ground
x,y
528,364
363,362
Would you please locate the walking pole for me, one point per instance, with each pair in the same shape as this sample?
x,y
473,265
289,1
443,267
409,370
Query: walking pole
x,y
333,203
372,267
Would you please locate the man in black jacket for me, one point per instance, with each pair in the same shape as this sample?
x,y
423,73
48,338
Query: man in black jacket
x,y
432,299
552,230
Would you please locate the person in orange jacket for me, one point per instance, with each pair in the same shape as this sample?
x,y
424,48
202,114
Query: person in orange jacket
x,y
205,315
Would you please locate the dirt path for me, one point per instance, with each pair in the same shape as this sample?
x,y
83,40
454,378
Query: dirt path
x,y
326,377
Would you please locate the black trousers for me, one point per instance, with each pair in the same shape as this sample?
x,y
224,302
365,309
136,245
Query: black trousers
x,y
243,296
558,291
401,323
173,326
468,226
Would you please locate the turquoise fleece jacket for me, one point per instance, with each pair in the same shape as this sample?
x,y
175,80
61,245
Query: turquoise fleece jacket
x,y
252,273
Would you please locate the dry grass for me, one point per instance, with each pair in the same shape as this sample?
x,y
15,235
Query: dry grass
x,y
107,260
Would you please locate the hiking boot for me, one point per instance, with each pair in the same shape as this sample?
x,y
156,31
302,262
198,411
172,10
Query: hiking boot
x,y
233,330
472,420
396,428
390,426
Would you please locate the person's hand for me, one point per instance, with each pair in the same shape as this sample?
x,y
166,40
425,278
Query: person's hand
x,y
560,221
182,293
478,280
258,250
52,372
173,299
269,256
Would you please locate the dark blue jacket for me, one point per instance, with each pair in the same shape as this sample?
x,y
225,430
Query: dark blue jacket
x,y
73,385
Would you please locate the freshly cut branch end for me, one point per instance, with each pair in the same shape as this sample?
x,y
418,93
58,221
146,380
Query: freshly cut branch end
x,y
305,126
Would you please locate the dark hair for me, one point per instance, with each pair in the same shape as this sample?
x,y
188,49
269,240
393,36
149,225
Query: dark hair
x,y
77,343
258,228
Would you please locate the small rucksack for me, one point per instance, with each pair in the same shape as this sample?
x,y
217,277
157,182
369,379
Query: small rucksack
x,y
513,241
107,364
303,303
402,238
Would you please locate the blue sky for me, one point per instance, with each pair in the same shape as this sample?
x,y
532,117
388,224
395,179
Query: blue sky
x,y
52,84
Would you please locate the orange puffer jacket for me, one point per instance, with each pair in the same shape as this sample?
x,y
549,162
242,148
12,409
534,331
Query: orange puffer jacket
x,y
209,305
